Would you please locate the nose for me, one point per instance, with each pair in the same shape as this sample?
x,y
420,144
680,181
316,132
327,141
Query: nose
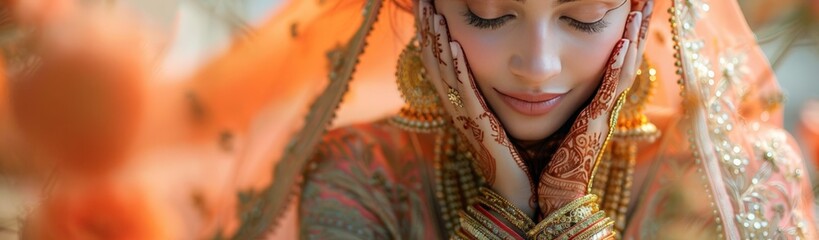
x,y
537,57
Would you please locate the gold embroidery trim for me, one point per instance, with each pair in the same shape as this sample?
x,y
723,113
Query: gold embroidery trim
x,y
508,211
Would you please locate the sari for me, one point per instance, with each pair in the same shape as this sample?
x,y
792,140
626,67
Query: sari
x,y
721,167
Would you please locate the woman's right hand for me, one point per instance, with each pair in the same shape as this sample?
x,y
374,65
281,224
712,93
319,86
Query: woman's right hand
x,y
448,71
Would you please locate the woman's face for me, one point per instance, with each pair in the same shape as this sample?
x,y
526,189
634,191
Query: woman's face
x,y
536,61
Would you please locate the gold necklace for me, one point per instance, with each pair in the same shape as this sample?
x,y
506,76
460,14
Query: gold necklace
x,y
456,182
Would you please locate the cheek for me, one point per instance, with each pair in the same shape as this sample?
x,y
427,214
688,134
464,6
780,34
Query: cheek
x,y
485,52
586,57
590,56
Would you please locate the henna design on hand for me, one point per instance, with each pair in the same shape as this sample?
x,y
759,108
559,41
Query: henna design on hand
x,y
500,137
498,132
474,120
484,160
567,176
429,36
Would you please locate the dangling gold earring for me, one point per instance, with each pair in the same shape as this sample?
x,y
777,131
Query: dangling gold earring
x,y
422,111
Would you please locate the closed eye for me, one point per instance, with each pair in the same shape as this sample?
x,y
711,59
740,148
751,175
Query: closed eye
x,y
592,27
484,23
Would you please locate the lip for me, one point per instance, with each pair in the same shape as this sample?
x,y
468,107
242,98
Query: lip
x,y
532,104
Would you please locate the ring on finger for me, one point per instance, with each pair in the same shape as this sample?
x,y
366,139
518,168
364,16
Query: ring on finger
x,y
455,97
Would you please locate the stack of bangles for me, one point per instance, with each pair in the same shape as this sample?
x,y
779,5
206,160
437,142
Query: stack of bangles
x,y
579,219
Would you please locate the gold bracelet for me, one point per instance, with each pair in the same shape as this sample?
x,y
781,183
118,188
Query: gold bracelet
x,y
503,207
460,235
580,227
474,228
568,221
603,228
556,215
488,224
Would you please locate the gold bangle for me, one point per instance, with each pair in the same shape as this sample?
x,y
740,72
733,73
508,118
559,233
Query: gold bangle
x,y
460,235
568,221
604,227
508,211
580,227
473,228
590,198
488,224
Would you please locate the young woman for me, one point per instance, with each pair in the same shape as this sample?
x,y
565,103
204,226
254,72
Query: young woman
x,y
525,119
522,119
510,130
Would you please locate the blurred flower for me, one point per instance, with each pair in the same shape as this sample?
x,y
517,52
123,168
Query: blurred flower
x,y
97,210
36,12
81,101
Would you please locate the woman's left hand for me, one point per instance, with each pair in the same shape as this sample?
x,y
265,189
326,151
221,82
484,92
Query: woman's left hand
x,y
569,174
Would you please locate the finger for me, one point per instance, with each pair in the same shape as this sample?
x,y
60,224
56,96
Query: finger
x,y
605,93
628,70
469,99
425,14
418,21
443,52
466,88
633,22
424,28
626,76
648,11
469,123
472,98
432,75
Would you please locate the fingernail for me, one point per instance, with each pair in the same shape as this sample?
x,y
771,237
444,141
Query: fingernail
x,y
456,49
648,9
437,22
621,54
635,19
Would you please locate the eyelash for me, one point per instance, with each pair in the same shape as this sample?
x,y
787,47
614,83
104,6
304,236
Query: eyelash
x,y
496,23
593,27
483,23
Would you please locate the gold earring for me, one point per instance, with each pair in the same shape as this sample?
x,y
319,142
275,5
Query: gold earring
x,y
633,124
614,176
422,111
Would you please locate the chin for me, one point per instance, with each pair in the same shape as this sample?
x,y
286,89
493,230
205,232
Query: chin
x,y
531,129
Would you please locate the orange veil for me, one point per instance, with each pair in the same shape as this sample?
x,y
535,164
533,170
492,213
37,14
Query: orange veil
x,y
286,63
257,109
272,78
